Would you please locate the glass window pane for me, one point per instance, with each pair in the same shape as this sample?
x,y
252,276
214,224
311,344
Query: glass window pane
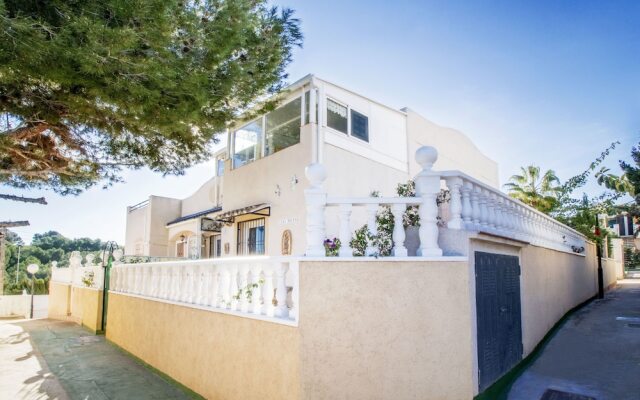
x,y
219,167
336,116
283,127
247,143
359,126
307,100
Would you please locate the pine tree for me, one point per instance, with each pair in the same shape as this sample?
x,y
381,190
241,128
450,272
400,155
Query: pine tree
x,y
88,87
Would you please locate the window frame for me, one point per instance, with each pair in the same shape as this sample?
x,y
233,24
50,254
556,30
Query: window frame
x,y
246,244
263,123
349,127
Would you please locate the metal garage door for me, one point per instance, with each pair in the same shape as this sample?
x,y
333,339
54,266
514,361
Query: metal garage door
x,y
498,315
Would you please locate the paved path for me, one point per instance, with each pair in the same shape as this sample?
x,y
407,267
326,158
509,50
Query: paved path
x,y
595,353
47,359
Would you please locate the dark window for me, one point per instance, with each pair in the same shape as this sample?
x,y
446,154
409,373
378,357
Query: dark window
x,y
359,126
251,235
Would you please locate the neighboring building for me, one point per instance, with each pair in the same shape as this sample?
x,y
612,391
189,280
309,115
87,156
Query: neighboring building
x,y
364,146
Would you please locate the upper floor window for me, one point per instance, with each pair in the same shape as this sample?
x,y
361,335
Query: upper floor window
x,y
268,134
283,127
359,126
247,143
346,120
337,116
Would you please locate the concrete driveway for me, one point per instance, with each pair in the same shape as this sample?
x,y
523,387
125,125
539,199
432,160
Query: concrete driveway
x,y
48,359
595,354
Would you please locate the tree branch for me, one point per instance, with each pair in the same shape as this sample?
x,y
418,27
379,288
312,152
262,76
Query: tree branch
x,y
39,200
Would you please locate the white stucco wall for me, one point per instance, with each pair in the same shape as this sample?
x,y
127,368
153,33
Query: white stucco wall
x,y
136,231
455,150
204,198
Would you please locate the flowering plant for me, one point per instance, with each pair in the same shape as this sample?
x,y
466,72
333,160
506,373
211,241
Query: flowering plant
x,y
332,247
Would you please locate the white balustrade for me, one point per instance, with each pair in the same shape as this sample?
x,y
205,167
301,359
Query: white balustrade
x,y
489,210
473,206
250,286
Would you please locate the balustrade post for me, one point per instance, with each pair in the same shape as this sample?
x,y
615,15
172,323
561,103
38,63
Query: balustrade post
x,y
243,302
501,226
345,230
256,307
398,210
233,287
428,187
316,200
476,209
455,205
267,291
467,208
281,310
491,212
372,226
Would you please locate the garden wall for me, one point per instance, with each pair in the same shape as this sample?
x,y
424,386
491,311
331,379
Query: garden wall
x,y
217,355
15,306
59,300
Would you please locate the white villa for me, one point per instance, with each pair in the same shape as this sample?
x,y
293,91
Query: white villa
x,y
254,201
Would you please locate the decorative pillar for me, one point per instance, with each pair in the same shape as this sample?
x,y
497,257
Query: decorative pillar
x,y
345,231
316,200
467,209
455,206
372,226
427,188
398,210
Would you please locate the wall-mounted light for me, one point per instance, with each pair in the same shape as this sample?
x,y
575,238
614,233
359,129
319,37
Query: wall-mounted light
x,y
277,191
294,182
182,237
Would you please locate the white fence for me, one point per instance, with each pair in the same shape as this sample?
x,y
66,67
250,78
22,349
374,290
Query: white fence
x,y
89,275
15,305
473,206
258,287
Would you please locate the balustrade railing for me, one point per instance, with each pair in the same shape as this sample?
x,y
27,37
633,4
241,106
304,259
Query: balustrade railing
x,y
262,287
472,206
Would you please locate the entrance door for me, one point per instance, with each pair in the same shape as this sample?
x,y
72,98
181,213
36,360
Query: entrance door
x,y
498,315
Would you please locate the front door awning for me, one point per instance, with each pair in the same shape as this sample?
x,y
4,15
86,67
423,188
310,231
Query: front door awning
x,y
262,209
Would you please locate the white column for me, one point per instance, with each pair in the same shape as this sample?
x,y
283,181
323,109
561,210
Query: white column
x,y
398,210
243,302
281,310
428,187
455,205
316,200
267,291
233,287
372,225
475,206
467,208
256,307
345,230
484,210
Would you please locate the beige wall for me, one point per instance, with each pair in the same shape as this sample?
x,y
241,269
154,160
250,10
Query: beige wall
x,y
455,150
202,199
255,183
59,300
385,330
218,356
86,307
136,231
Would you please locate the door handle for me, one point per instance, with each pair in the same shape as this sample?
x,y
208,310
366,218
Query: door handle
x,y
503,309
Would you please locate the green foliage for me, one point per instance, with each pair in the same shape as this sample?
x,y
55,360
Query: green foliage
x,y
89,87
44,248
631,258
332,247
532,188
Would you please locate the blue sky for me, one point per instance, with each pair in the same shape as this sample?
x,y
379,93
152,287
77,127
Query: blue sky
x,y
548,83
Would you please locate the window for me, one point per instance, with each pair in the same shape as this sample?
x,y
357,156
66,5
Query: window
x,y
219,166
215,246
283,127
247,143
359,126
251,237
307,106
337,116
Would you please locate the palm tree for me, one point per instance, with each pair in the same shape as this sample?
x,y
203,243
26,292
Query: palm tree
x,y
538,191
